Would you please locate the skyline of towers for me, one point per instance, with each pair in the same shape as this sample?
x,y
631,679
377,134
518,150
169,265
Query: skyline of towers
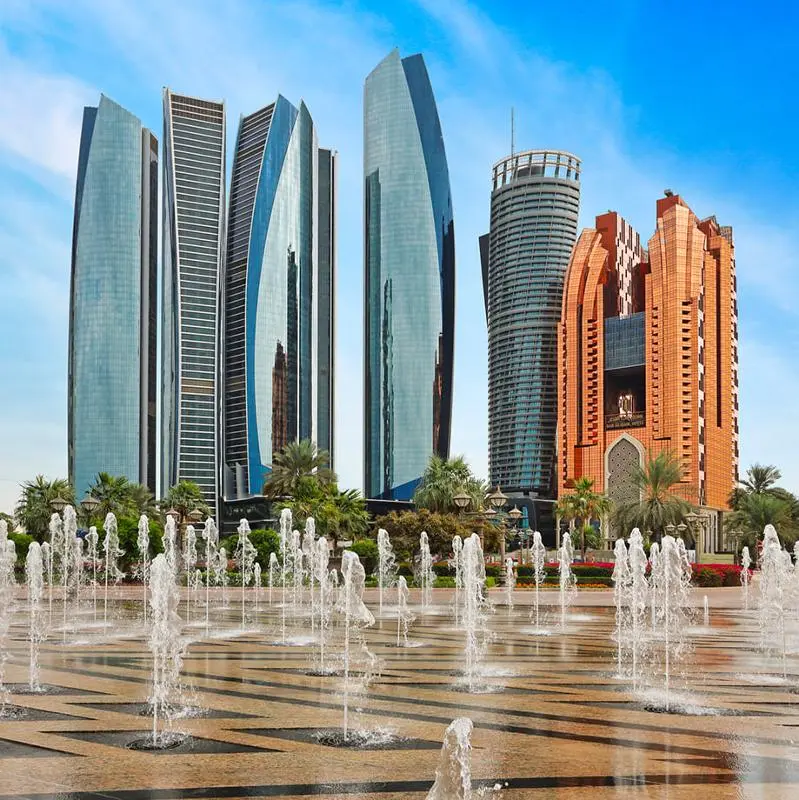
x,y
648,357
278,352
112,316
409,279
535,201
192,262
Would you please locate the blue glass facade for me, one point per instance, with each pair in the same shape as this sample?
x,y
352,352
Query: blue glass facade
x,y
625,341
193,236
112,320
409,291
278,327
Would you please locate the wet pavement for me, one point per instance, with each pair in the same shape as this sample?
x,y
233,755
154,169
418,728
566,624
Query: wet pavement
x,y
551,717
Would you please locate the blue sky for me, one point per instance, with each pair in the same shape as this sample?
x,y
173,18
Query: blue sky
x,y
649,94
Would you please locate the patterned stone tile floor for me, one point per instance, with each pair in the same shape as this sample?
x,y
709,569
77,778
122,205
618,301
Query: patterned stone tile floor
x,y
551,721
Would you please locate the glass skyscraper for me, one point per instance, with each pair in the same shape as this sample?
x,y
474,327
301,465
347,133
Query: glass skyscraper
x,y
409,291
534,205
192,258
279,275
112,316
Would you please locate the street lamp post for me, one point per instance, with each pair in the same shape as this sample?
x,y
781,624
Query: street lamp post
x,y
696,523
496,500
58,504
89,505
461,501
515,515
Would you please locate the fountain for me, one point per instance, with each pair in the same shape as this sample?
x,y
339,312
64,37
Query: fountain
x,y
539,554
244,556
143,545
257,583
425,576
70,528
386,565
77,571
6,609
404,615
510,582
746,562
211,537
474,601
47,559
321,562
308,548
167,649
189,562
776,581
455,562
637,598
706,615
673,579
34,580
567,581
295,546
112,554
274,566
356,617
453,774
92,540
170,542
56,529
220,573
621,582
654,587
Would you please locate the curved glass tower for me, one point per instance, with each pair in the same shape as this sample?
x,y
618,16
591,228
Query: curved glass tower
x,y
409,280
193,238
112,316
534,206
278,294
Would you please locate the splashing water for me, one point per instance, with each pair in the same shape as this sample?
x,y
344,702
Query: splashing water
x,y
621,582
34,580
776,581
285,544
143,545
170,543
308,556
404,615
474,606
539,554
510,582
211,537
706,615
453,774
637,598
220,573
567,581
746,562
426,576
92,541
356,617
386,565
321,564
274,566
456,563
77,571
70,528
189,558
112,554
165,644
6,606
245,559
56,529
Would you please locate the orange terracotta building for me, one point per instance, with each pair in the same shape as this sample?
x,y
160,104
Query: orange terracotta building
x,y
648,357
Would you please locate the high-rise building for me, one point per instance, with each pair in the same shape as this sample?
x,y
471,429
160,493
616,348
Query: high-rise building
x,y
192,258
409,292
112,315
535,201
278,308
648,358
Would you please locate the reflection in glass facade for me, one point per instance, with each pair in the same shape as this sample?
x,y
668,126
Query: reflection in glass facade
x,y
278,365
193,236
112,319
534,206
409,279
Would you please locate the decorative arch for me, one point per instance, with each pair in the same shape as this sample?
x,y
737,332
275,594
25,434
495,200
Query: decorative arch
x,y
621,458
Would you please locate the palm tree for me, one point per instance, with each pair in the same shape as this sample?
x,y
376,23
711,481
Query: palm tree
x,y
442,480
583,505
658,504
761,478
111,493
296,461
754,512
33,510
185,497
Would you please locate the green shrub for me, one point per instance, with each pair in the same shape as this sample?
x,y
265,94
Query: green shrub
x,y
367,551
444,582
490,582
405,569
22,542
128,530
265,541
493,572
524,571
707,577
443,569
